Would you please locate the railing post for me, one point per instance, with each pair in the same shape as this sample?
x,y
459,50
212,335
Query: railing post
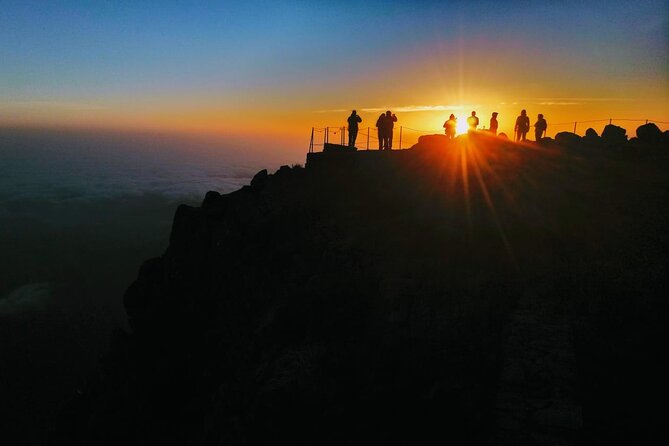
x,y
574,127
343,134
646,121
610,120
367,138
311,141
400,137
327,136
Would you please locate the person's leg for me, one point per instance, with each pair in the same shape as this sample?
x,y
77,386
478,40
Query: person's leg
x,y
380,135
390,141
353,136
537,135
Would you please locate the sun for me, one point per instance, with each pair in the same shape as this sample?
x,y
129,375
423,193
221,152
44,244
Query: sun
x,y
462,127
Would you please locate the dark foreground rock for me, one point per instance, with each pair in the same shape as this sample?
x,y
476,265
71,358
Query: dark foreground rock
x,y
613,134
400,297
649,133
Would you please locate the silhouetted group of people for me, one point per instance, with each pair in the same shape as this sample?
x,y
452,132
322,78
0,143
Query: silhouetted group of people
x,y
386,123
523,126
520,130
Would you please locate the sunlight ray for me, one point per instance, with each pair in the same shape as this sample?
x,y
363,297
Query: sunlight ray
x,y
491,207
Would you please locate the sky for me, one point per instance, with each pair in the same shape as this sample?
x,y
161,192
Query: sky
x,y
266,72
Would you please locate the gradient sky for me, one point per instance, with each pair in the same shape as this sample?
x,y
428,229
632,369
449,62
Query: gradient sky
x,y
259,70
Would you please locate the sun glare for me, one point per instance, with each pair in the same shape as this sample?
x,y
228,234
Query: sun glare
x,y
461,128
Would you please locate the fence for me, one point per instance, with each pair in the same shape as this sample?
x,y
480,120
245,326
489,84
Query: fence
x,y
409,136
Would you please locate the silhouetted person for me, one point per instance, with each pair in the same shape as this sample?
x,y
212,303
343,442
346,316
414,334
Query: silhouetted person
x,y
450,126
540,127
522,126
494,124
473,122
389,124
380,129
353,121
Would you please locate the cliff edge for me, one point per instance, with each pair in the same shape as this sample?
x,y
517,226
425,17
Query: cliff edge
x,y
397,297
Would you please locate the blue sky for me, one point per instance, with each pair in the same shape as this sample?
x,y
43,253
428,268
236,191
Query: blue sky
x,y
75,58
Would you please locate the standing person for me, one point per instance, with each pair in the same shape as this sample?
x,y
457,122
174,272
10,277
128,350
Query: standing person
x,y
473,122
450,126
381,129
353,121
540,127
390,120
522,126
493,123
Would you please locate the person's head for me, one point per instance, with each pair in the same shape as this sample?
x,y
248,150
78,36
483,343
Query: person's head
x,y
452,116
494,114
541,116
388,113
353,112
523,112
473,113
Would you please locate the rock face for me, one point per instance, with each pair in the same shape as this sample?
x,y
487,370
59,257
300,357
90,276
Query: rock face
x,y
373,296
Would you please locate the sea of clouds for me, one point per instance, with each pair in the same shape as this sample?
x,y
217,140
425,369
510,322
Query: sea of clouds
x,y
52,179
53,165
79,213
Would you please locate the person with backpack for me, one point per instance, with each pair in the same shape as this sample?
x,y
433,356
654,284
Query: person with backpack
x,y
522,126
540,127
353,121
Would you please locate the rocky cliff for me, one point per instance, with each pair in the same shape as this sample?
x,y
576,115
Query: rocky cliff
x,y
396,297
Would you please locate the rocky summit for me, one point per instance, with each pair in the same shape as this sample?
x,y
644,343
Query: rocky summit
x,y
467,291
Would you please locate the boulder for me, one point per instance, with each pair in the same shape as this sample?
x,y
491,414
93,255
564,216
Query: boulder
x,y
591,133
431,141
649,133
592,138
614,134
567,139
546,141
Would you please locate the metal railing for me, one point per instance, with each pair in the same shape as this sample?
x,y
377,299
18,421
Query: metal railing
x,y
411,135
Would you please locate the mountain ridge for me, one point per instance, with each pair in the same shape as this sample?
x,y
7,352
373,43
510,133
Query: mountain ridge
x,y
371,295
